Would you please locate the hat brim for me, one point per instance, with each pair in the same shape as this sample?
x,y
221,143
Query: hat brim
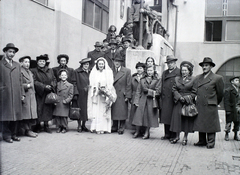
x,y
6,48
112,43
171,60
211,63
85,61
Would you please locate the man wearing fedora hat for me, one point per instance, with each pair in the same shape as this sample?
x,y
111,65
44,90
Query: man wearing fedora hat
x,y
122,84
126,44
209,94
111,53
12,94
95,54
166,97
63,61
231,96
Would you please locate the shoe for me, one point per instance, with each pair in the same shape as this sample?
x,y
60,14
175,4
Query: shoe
x,y
135,135
146,137
15,138
226,137
120,132
48,130
165,138
184,142
200,144
114,130
30,134
174,141
210,146
64,130
236,138
84,128
79,129
9,140
98,132
59,130
101,132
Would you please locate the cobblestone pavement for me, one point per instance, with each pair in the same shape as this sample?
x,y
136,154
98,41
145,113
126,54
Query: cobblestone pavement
x,y
88,153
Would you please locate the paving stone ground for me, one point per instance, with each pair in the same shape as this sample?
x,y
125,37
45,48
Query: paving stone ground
x,y
113,154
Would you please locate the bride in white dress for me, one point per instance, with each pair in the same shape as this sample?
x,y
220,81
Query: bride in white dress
x,y
101,95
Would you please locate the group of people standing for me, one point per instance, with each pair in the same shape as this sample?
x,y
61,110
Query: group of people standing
x,y
104,88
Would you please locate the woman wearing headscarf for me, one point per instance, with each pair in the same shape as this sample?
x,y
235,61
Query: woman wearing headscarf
x,y
184,93
101,96
44,82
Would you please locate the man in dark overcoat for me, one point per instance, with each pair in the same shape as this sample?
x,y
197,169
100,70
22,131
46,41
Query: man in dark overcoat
x,y
63,61
11,94
95,54
111,53
122,85
81,91
231,96
210,92
166,98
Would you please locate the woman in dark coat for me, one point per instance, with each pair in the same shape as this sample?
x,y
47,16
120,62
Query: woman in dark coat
x,y
44,82
184,91
81,91
147,112
135,81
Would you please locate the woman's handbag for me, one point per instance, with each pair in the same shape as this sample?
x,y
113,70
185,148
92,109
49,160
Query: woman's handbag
x,y
189,110
74,112
51,98
155,103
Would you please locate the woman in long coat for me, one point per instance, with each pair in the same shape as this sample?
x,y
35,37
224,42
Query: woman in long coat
x,y
29,107
81,91
145,99
44,82
183,89
135,81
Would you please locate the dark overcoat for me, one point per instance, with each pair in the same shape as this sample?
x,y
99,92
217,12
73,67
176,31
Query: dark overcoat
x,y
70,73
134,85
109,56
81,89
209,95
166,98
182,88
29,107
94,55
43,77
145,114
230,100
122,84
65,94
11,91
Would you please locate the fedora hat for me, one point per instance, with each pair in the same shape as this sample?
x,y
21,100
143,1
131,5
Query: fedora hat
x,y
42,57
84,60
234,77
112,41
188,63
171,58
10,46
98,44
118,58
62,56
207,60
24,57
126,39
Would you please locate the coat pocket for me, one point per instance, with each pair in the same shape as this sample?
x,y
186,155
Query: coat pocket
x,y
212,102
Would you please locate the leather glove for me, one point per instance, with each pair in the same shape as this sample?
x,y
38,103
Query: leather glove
x,y
75,97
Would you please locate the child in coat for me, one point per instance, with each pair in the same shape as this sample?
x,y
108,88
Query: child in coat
x,y
65,94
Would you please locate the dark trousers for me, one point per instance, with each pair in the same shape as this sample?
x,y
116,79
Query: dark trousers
x,y
235,127
118,125
169,133
26,125
207,138
9,129
61,122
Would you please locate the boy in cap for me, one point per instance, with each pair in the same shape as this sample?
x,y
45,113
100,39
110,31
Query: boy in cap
x,y
230,99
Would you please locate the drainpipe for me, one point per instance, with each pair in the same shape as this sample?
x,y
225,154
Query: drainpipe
x,y
176,23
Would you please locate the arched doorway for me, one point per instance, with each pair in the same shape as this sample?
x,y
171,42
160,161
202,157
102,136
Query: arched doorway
x,y
228,69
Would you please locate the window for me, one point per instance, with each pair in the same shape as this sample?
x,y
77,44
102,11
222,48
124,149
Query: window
x,y
96,14
222,21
